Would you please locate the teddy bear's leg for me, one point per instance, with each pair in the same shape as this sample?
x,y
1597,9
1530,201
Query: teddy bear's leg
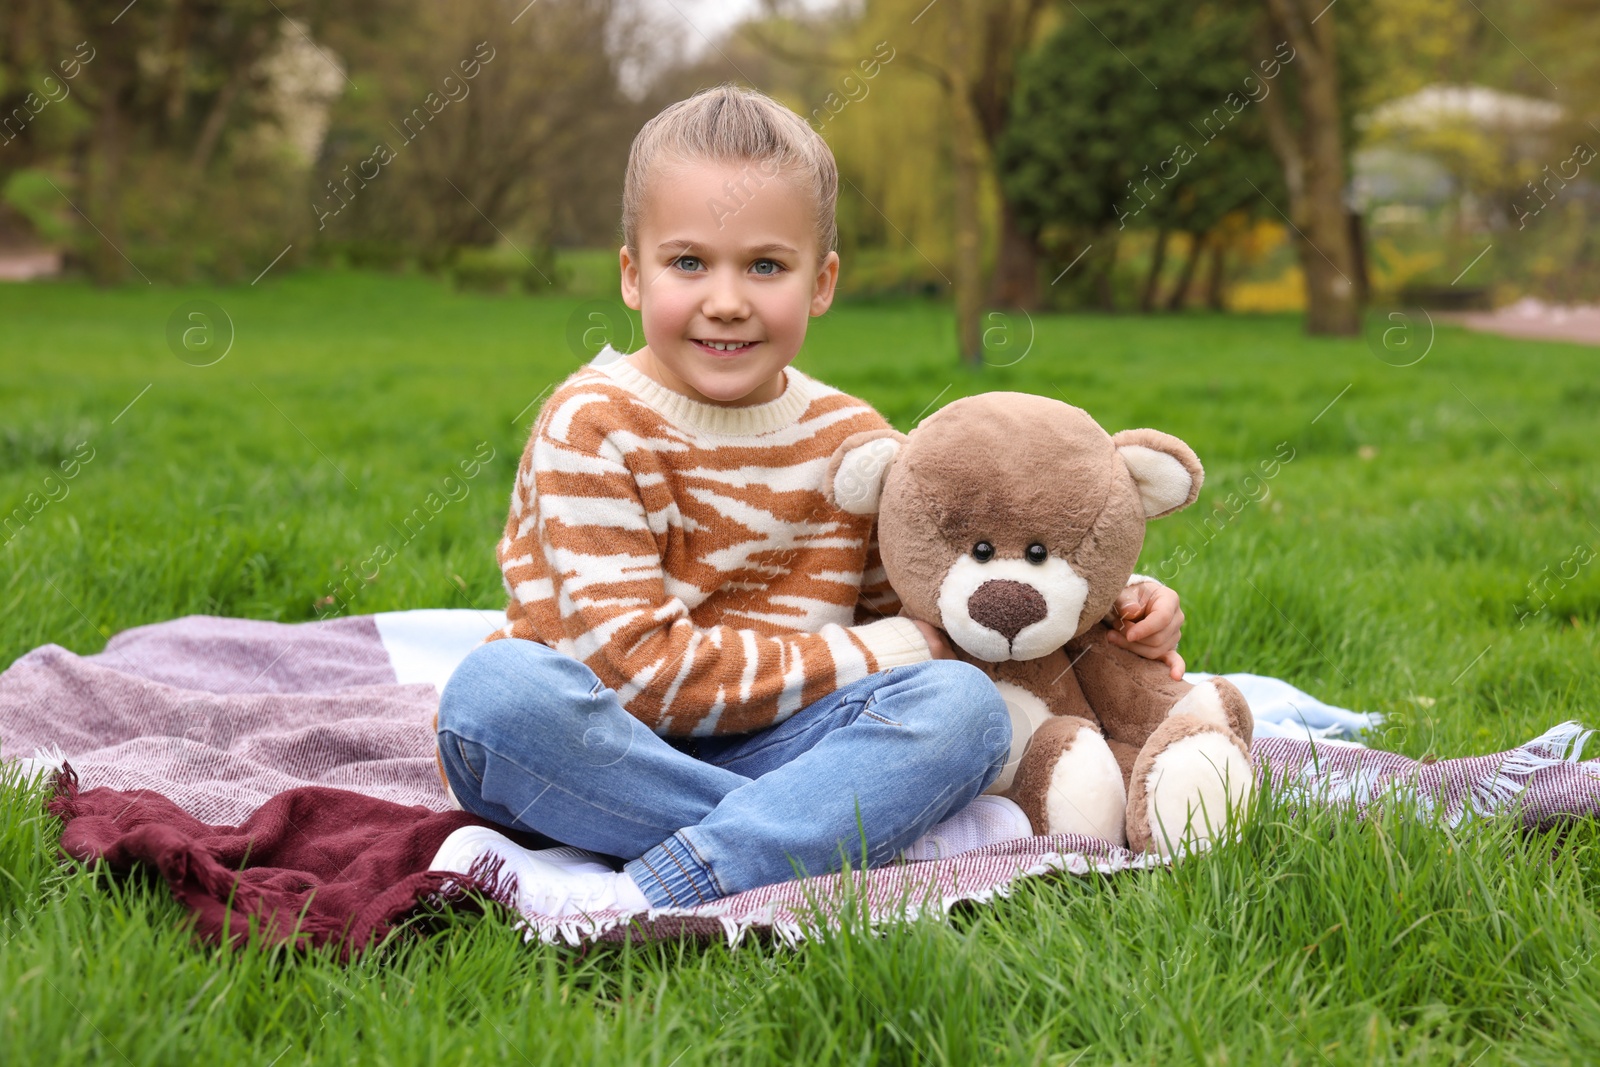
x,y
1191,777
1070,783
1035,692
1126,756
1218,700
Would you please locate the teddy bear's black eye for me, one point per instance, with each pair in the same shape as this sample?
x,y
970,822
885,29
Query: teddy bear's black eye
x,y
983,552
1037,553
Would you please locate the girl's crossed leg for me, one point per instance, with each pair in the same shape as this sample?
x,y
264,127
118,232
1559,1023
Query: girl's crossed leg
x,y
532,739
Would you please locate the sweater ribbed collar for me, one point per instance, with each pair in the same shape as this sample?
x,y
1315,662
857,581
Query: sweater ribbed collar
x,y
693,414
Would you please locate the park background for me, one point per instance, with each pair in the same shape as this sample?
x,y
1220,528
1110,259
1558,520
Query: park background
x,y
283,272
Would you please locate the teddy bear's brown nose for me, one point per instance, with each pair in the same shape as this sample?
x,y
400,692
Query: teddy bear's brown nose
x,y
1006,607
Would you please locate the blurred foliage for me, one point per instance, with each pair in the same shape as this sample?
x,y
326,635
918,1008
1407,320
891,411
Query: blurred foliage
x,y
477,128
1095,142
186,138
172,134
506,270
179,139
1162,131
1538,238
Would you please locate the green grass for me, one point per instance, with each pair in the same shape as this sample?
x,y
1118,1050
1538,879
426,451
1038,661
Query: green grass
x,y
1384,568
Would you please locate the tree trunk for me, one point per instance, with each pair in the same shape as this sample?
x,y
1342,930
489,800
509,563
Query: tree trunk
x,y
102,171
1331,304
246,53
1152,279
1016,276
1313,161
1007,31
1105,292
1216,276
965,149
1358,250
177,61
1180,291
1323,244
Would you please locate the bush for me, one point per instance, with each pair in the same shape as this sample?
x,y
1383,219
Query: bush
x,y
504,269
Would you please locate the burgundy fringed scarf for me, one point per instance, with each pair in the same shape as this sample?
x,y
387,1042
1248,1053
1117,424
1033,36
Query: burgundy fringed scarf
x,y
312,866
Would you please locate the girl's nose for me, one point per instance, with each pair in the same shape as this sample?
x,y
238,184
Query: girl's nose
x,y
725,299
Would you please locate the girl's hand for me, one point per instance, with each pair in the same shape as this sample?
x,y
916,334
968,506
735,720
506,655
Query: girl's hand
x,y
938,644
1150,622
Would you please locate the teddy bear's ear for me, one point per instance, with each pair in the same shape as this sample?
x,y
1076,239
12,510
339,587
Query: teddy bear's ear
x,y
1165,469
859,468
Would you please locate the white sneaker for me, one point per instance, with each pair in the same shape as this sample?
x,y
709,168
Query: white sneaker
x,y
559,882
988,820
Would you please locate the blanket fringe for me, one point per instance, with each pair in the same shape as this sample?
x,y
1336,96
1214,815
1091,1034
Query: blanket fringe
x,y
1486,794
486,876
1559,744
1564,741
65,780
790,925
45,762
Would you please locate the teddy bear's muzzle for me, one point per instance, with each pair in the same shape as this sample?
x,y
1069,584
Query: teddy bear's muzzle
x,y
1006,609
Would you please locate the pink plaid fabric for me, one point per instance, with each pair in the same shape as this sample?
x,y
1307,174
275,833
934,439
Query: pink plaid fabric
x,y
221,715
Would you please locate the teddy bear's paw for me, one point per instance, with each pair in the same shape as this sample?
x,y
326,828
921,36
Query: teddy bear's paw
x,y
1191,782
1070,783
1218,701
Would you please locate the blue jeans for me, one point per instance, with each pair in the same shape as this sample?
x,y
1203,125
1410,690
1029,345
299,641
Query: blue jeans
x,y
531,739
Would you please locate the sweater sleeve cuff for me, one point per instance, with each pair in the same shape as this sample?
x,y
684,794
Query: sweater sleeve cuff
x,y
893,642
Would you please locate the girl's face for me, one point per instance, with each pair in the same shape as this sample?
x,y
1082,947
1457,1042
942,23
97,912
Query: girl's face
x,y
727,274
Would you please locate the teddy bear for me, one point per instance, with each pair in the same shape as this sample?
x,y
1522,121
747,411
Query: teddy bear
x,y
1012,522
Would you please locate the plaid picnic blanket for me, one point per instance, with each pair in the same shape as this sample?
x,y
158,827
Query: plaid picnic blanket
x,y
282,775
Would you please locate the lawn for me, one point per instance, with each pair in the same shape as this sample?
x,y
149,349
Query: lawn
x,y
1418,540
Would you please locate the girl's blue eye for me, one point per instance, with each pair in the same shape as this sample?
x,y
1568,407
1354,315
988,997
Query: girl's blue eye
x,y
692,261
768,263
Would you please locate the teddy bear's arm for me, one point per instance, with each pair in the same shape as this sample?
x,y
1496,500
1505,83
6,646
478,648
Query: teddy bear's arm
x,y
1133,696
1130,695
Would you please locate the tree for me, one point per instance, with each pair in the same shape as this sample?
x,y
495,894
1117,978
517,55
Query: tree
x,y
189,137
1307,133
1095,147
969,50
183,155
476,128
1007,31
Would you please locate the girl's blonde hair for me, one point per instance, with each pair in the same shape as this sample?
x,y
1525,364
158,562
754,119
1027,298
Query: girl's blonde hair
x,y
732,124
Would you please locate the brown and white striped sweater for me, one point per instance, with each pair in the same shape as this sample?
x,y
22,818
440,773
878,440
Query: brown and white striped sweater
x,y
685,551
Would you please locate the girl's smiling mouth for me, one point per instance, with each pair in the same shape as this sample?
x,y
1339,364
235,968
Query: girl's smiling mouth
x,y
723,348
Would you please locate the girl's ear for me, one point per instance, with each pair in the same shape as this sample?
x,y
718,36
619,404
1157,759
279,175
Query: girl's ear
x,y
827,279
1165,469
630,277
859,468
